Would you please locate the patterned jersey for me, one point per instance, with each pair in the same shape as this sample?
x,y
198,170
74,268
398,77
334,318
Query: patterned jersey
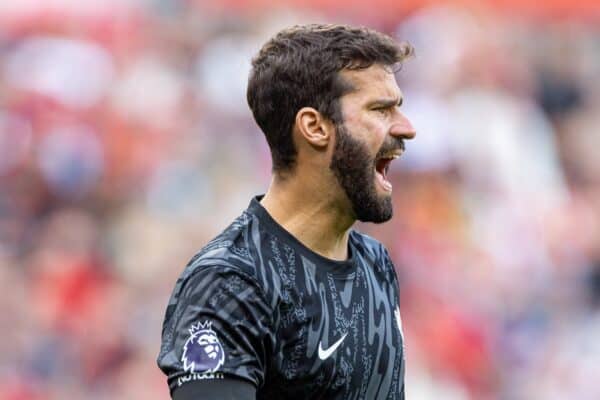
x,y
257,305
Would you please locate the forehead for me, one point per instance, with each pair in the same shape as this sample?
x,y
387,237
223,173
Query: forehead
x,y
371,83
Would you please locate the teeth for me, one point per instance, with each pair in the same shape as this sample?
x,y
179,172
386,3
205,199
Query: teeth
x,y
393,156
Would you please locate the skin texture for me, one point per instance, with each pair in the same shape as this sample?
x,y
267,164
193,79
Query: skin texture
x,y
334,181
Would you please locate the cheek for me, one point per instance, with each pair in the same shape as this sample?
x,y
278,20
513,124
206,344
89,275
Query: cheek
x,y
376,134
369,130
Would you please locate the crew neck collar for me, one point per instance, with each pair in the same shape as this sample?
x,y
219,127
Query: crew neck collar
x,y
345,267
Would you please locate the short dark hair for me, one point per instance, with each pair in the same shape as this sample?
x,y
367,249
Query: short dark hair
x,y
299,67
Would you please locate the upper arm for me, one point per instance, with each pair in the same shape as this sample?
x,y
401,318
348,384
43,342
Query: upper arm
x,y
218,328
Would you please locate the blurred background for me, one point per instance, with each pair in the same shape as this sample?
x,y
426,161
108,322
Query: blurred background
x,y
126,144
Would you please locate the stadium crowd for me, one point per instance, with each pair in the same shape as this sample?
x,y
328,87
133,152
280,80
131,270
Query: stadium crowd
x,y
126,144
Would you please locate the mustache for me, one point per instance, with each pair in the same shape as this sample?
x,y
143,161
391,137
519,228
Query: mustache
x,y
389,146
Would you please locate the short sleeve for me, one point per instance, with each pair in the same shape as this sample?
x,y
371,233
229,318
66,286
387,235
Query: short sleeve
x,y
218,325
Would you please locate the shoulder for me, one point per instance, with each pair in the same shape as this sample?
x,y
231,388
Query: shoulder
x,y
368,246
234,257
372,252
230,248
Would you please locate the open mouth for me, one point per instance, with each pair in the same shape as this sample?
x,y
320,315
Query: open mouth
x,y
382,166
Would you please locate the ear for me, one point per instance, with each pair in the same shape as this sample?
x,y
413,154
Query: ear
x,y
313,127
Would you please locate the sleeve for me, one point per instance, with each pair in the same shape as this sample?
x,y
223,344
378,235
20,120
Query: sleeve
x,y
218,325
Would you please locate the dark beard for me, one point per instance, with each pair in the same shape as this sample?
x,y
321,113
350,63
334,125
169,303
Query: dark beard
x,y
355,171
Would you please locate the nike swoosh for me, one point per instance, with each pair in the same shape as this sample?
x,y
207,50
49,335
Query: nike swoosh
x,y
324,354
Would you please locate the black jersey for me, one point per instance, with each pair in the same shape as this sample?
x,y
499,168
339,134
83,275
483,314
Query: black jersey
x,y
257,305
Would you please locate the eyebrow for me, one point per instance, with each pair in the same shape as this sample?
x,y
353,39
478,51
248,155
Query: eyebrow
x,y
386,103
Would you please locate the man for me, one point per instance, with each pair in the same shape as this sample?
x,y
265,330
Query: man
x,y
289,302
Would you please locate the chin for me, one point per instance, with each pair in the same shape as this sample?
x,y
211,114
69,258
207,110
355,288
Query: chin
x,y
378,210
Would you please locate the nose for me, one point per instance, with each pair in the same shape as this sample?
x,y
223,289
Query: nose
x,y
402,127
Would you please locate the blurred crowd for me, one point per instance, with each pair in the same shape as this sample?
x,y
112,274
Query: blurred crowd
x,y
126,144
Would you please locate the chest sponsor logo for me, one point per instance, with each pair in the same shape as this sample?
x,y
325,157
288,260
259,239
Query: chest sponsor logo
x,y
326,353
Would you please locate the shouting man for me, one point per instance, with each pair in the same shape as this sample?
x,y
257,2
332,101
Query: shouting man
x,y
289,302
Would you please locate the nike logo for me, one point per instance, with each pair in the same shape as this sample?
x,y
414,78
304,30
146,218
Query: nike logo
x,y
325,353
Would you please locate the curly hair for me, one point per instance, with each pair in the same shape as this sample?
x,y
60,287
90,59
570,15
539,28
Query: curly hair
x,y
299,67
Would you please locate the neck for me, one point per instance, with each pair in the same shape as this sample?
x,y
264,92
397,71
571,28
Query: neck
x,y
311,214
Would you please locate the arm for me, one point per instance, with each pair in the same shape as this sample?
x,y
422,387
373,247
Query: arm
x,y
224,389
217,335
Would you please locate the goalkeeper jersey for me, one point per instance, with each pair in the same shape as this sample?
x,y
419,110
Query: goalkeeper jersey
x,y
257,305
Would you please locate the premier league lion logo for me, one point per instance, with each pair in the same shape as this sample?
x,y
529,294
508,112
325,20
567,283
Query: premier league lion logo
x,y
202,352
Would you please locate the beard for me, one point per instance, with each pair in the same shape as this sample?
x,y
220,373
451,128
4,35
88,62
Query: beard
x,y
354,169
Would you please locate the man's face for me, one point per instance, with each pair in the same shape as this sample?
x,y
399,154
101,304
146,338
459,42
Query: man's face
x,y
369,138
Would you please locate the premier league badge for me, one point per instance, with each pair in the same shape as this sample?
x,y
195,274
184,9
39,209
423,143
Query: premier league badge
x,y
202,352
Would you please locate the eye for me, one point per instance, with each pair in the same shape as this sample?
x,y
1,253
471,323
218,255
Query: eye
x,y
385,111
